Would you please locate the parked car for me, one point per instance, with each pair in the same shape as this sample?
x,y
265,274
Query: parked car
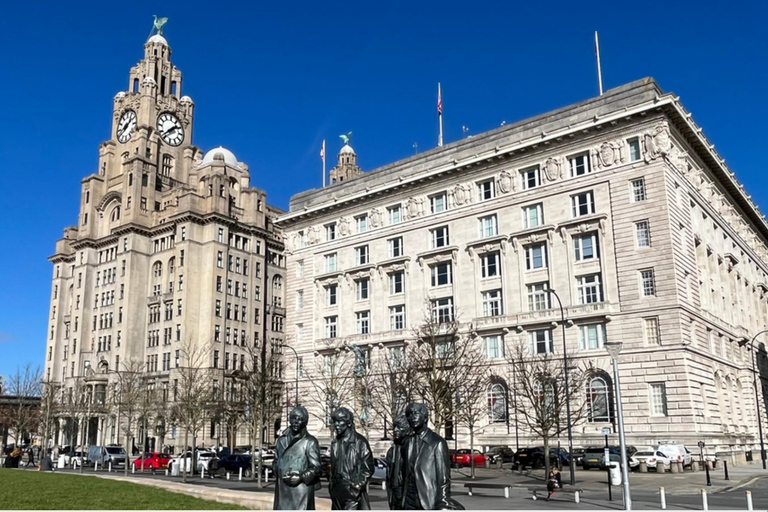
x,y
676,453
652,458
325,465
203,457
463,458
505,453
578,456
534,457
152,461
74,457
106,454
594,457
233,463
379,469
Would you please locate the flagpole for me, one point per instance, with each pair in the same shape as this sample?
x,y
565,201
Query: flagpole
x,y
322,153
599,70
440,115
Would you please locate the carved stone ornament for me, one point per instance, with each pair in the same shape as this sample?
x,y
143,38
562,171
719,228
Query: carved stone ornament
x,y
414,207
313,236
461,194
376,217
607,154
657,142
552,169
343,226
505,182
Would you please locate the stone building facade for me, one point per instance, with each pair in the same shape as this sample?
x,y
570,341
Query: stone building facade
x,y
172,248
618,203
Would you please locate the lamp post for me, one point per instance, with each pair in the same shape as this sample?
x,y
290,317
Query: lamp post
x,y
297,370
571,463
613,350
757,400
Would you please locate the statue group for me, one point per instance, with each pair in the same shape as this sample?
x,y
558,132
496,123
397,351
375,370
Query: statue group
x,y
418,465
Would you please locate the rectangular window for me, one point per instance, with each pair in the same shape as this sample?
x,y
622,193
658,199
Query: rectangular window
x,y
579,164
220,237
590,289
442,310
492,303
395,247
441,274
439,237
583,204
330,232
486,190
395,214
531,178
591,336
658,399
437,203
541,341
330,295
363,322
490,264
397,318
643,233
330,262
300,268
536,256
651,331
489,226
396,284
647,283
634,149
330,326
493,347
220,259
361,223
538,297
361,288
361,255
586,246
638,190
533,216
300,299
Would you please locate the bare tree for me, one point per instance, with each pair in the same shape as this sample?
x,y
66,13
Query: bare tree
x,y
392,382
127,395
331,379
542,394
49,411
471,396
22,411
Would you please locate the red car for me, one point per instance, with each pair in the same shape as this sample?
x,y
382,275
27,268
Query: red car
x,y
462,458
153,460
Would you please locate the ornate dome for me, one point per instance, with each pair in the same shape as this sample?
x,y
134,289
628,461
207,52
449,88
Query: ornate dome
x,y
121,94
347,150
186,99
220,153
157,38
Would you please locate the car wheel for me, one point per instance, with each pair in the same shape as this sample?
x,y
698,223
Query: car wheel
x,y
537,463
247,473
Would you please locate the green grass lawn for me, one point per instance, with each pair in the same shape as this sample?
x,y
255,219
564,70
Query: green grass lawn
x,y
21,489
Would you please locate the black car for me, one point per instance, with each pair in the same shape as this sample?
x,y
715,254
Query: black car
x,y
594,456
505,453
325,467
534,457
232,464
578,456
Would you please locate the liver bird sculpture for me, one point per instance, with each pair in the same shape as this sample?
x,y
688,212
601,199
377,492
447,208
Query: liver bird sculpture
x,y
345,137
158,24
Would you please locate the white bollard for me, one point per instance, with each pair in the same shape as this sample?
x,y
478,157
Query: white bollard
x,y
266,476
240,476
704,503
95,466
166,471
110,466
202,472
227,475
749,500
133,468
663,498
383,485
576,498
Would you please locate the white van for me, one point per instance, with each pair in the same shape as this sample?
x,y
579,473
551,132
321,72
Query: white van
x,y
676,453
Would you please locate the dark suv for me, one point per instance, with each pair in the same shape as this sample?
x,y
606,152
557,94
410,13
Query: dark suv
x,y
594,456
534,457
503,453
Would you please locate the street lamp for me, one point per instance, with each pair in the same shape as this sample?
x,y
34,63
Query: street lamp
x,y
613,349
571,462
757,400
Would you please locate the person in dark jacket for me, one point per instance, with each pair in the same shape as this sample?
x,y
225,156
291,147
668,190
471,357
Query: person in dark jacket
x,y
351,464
426,466
400,431
296,465
554,482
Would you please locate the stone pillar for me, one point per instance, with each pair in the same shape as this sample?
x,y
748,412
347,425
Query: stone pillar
x,y
644,467
674,467
660,468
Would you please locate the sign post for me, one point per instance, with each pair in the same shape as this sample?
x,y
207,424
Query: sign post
x,y
607,461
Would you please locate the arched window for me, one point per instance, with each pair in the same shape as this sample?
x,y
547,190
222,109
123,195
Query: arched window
x,y
167,168
115,215
171,266
599,399
277,284
497,402
157,269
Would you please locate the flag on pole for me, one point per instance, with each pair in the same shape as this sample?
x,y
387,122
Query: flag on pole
x,y
439,101
440,115
322,156
599,69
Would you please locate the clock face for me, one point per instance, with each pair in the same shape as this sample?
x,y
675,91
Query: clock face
x,y
126,125
170,129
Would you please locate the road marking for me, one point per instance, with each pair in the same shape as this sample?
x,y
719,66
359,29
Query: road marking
x,y
747,483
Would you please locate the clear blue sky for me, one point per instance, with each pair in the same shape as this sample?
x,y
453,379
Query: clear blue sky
x,y
270,80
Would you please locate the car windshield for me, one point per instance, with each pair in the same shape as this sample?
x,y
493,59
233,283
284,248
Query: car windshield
x,y
115,450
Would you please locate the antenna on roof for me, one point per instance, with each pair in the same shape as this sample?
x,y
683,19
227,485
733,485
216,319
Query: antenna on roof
x,y
599,70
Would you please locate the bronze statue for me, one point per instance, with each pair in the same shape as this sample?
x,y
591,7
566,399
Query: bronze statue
x,y
296,465
351,464
400,431
426,466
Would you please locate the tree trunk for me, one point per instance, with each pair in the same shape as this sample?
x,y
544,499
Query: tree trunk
x,y
546,459
127,449
472,451
261,459
193,462
183,458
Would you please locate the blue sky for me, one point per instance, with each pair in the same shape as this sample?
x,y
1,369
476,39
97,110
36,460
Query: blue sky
x,y
271,80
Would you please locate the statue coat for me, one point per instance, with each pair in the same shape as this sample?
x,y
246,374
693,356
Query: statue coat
x,y
432,471
351,464
299,452
395,476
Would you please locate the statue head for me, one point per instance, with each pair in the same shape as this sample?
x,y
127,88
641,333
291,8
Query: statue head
x,y
343,420
401,429
298,419
417,415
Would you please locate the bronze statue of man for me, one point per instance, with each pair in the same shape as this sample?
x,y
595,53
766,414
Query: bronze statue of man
x,y
426,466
400,431
296,465
351,464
